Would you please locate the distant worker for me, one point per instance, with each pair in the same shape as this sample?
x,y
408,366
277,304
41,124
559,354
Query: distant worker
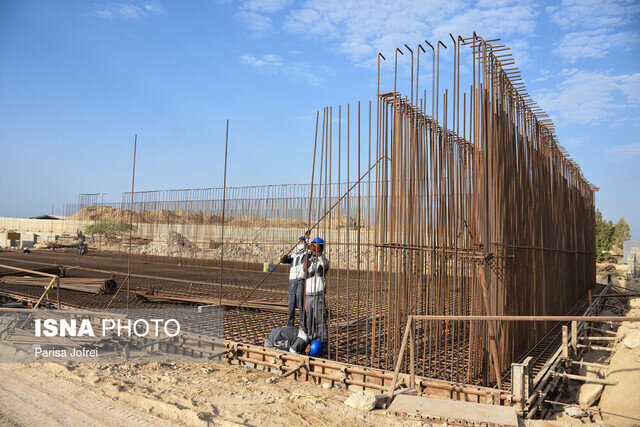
x,y
82,247
296,279
293,340
315,289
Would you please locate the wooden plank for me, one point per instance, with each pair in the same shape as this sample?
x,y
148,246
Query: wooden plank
x,y
452,411
24,270
52,269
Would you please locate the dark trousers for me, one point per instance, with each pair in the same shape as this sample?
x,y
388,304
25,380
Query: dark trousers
x,y
315,313
296,288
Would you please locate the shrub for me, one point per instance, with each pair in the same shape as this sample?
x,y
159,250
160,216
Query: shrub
x,y
109,228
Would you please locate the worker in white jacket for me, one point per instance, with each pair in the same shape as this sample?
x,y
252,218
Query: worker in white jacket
x,y
315,289
296,279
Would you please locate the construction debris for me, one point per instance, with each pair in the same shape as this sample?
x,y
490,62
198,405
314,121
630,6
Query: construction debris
x,y
575,412
362,400
170,243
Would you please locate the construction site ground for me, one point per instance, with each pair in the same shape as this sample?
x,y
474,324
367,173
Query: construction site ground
x,y
219,393
247,326
158,394
165,394
236,284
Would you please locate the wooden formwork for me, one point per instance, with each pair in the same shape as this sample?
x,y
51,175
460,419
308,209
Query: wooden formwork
x,y
355,377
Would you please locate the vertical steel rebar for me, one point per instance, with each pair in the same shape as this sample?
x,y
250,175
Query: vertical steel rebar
x,y
224,204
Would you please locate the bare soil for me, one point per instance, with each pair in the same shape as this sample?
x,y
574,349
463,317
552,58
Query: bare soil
x,y
168,394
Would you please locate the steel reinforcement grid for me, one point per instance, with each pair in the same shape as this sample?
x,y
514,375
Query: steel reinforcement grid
x,y
456,200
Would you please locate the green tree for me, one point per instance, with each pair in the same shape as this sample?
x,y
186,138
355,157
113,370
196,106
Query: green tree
x,y
622,232
604,238
108,228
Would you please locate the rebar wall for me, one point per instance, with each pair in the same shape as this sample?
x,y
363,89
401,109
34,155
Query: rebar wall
x,y
477,210
453,202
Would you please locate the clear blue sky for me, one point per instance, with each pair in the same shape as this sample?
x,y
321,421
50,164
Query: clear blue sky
x,y
79,78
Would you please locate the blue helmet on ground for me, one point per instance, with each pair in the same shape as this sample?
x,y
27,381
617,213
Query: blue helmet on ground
x,y
315,348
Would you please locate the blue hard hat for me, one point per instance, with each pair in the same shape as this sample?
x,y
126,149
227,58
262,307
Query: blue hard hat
x,y
315,348
302,238
317,240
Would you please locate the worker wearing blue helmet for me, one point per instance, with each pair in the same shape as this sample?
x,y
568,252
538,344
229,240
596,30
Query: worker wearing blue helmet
x,y
293,340
315,288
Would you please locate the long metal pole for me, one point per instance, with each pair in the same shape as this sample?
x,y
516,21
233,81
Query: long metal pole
x,y
306,243
224,201
133,179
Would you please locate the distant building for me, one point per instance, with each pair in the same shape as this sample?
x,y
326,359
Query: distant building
x,y
631,256
46,216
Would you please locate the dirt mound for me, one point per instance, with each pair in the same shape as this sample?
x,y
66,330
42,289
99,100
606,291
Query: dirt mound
x,y
179,216
147,216
171,243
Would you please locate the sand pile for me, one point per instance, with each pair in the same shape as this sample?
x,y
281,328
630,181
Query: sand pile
x,y
171,243
147,216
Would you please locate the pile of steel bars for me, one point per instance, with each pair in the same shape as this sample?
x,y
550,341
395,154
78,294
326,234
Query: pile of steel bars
x,y
80,284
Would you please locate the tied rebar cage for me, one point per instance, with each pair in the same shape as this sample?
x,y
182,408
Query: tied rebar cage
x,y
493,220
452,202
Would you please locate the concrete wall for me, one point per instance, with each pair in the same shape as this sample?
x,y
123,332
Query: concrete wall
x,y
51,226
48,230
